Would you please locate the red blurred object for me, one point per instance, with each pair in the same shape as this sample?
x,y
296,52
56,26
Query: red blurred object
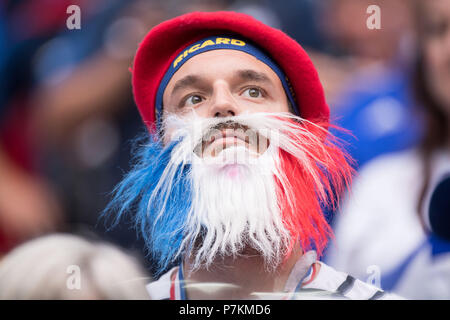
x,y
15,134
32,18
6,244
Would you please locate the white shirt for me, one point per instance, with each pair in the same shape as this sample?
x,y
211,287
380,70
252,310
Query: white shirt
x,y
379,224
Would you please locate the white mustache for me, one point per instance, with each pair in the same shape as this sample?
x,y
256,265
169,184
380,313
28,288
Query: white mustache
x,y
255,129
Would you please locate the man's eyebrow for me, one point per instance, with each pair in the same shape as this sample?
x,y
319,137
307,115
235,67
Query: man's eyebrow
x,y
252,75
186,82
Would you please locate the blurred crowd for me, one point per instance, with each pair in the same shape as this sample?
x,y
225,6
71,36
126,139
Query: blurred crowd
x,y
68,119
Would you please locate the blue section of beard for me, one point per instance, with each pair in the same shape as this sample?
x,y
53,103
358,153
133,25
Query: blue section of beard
x,y
163,234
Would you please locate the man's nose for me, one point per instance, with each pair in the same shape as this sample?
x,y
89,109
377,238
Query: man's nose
x,y
223,103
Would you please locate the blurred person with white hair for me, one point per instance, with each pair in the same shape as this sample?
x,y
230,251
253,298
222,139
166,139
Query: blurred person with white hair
x,y
385,222
63,266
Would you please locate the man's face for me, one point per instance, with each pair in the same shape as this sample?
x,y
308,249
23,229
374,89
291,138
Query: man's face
x,y
225,83
221,83
207,207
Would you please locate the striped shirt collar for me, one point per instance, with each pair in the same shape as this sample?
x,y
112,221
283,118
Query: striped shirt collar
x,y
302,273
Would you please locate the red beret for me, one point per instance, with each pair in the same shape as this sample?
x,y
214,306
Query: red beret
x,y
165,41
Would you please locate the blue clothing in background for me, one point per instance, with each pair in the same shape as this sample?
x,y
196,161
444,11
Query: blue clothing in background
x,y
378,110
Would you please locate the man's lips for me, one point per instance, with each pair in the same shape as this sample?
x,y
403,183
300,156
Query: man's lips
x,y
227,137
231,135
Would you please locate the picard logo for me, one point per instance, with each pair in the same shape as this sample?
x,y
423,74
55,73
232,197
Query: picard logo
x,y
206,43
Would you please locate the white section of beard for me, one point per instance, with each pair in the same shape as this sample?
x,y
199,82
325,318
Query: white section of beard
x,y
235,202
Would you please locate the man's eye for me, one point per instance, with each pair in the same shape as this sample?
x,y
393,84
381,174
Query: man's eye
x,y
253,93
194,99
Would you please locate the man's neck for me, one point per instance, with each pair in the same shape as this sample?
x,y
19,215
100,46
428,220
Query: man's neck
x,y
238,278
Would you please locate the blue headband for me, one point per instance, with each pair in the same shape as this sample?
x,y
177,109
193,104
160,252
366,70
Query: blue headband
x,y
215,43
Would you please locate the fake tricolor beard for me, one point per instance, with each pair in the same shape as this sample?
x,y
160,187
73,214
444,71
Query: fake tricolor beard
x,y
264,196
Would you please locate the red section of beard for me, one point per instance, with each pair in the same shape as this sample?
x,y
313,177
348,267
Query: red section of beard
x,y
302,196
